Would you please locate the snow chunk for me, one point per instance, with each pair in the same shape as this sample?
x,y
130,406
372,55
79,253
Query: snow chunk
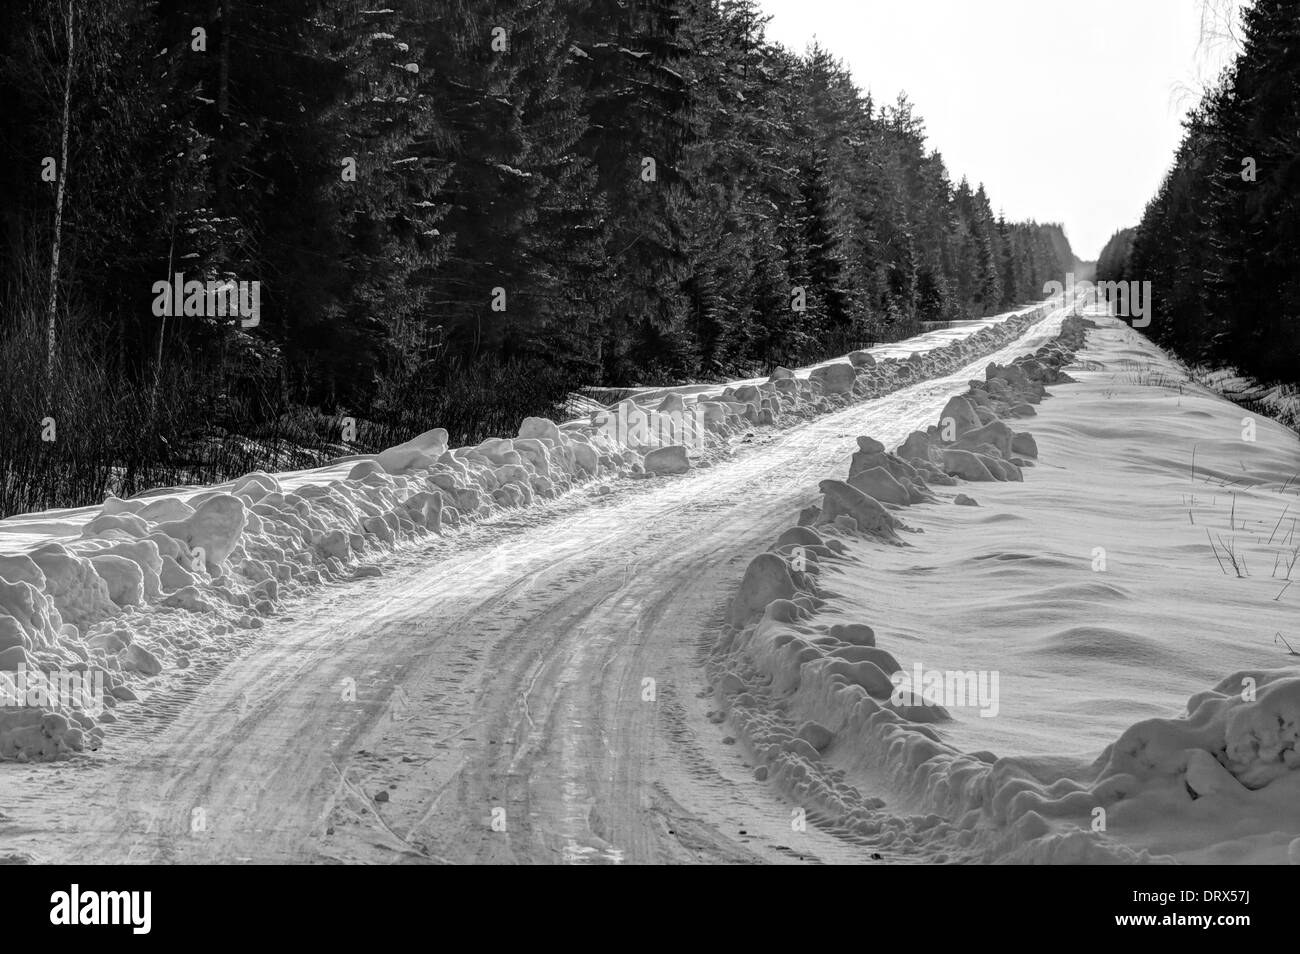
x,y
212,531
419,453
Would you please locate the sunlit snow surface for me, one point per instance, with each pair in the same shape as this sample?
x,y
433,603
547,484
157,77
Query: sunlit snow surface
x,y
1088,658
1094,591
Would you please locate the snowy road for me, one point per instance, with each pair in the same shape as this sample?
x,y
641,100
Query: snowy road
x,y
502,708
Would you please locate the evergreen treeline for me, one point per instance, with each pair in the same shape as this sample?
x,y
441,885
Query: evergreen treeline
x,y
1220,242
457,210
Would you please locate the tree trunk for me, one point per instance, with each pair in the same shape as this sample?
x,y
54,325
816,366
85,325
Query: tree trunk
x,y
58,202
223,110
162,328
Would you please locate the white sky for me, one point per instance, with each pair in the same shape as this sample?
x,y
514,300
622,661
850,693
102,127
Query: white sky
x,y
1067,112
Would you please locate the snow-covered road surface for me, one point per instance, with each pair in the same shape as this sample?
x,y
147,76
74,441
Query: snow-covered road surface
x,y
503,709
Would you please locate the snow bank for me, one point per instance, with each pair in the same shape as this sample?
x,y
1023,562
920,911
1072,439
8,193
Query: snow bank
x,y
149,581
796,687
693,416
94,619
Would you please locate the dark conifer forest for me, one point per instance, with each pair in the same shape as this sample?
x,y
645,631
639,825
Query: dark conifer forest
x,y
459,212
1220,241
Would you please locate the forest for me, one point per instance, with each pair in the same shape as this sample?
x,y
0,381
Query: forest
x,y
459,213
1220,241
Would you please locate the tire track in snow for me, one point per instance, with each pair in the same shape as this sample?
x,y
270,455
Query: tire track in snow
x,y
587,771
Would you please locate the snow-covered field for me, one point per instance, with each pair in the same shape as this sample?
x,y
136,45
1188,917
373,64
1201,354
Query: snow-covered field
x,y
542,663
